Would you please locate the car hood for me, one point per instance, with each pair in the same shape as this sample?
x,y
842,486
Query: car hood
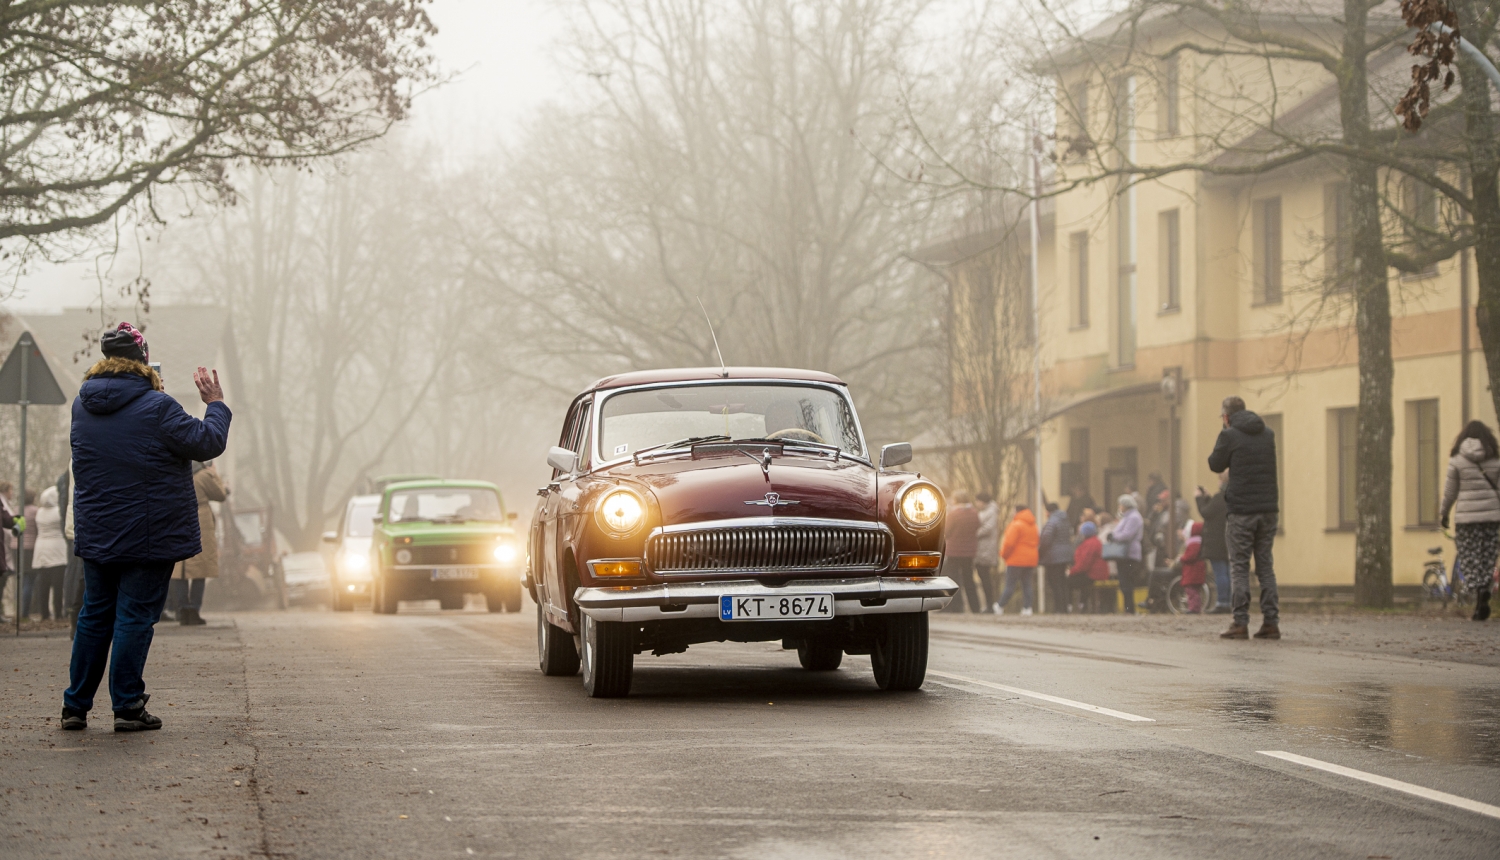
x,y
730,486
427,532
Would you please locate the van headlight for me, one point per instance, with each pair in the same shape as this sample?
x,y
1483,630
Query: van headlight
x,y
920,507
620,512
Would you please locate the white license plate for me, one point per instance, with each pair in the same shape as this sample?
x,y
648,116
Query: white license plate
x,y
455,573
778,607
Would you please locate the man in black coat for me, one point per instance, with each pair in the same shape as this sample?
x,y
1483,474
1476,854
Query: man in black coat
x,y
1215,548
1247,448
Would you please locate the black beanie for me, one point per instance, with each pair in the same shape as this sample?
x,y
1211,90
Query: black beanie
x,y
120,344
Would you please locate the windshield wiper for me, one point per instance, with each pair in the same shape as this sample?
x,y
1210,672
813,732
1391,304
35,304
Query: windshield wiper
x,y
680,443
803,443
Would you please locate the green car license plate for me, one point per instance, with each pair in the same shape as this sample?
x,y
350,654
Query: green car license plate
x,y
440,573
780,607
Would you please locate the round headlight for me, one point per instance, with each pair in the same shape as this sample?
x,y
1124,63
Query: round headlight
x,y
505,552
355,562
621,512
403,556
921,507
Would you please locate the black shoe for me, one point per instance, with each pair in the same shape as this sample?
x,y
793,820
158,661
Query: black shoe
x,y
74,721
189,617
1482,611
136,719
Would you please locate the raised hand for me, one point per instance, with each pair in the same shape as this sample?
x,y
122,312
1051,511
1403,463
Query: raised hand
x,y
208,385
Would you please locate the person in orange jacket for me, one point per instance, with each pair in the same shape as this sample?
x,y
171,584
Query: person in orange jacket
x,y
1018,549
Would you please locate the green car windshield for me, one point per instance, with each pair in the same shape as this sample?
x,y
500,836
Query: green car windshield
x,y
445,505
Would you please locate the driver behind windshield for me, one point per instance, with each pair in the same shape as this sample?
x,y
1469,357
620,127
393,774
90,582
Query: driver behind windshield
x,y
783,415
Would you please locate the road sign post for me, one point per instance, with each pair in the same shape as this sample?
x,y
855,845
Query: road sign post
x,y
26,379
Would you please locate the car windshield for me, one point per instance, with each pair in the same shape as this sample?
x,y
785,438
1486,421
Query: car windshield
x,y
445,504
362,520
632,421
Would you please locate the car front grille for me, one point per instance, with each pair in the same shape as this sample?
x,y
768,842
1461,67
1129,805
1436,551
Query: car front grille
x,y
475,553
775,548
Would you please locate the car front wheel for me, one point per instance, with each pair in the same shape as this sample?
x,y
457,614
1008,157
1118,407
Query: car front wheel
x,y
556,654
384,601
608,658
900,653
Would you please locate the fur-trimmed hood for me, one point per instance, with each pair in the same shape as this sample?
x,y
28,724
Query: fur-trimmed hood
x,y
118,366
115,383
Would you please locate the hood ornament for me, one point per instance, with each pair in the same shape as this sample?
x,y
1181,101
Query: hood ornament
x,y
773,500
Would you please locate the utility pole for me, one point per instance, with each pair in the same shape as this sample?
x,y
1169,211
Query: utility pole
x,y
25,379
1036,350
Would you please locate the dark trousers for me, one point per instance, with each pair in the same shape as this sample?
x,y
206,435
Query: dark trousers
x,y
961,571
195,593
1128,570
73,589
1057,587
1081,592
46,592
989,583
1252,535
1024,577
121,602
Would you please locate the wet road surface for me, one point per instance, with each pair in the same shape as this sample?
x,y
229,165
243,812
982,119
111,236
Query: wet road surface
x,y
427,734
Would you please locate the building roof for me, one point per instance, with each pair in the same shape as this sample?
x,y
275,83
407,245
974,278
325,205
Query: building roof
x,y
181,337
706,374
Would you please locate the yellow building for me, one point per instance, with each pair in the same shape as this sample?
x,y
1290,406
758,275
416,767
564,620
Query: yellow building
x,y
1233,282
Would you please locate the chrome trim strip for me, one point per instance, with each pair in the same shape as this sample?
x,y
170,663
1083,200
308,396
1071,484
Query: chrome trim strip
x,y
699,593
769,522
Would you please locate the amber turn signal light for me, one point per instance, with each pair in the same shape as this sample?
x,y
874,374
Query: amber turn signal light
x,y
919,561
615,568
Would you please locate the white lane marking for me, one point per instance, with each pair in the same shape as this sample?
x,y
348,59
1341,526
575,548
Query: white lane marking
x,y
1387,782
1056,700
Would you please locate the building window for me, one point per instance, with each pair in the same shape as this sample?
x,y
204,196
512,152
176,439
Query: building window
x,y
1078,109
1169,259
1419,217
1345,426
1425,463
1338,250
1078,276
1266,264
1168,123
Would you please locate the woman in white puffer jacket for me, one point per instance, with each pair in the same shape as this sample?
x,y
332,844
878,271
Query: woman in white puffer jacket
x,y
1472,498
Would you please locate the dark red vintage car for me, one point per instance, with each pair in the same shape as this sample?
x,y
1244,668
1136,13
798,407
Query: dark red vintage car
x,y
739,504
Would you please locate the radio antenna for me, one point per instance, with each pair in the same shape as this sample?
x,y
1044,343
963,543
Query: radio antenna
x,y
714,336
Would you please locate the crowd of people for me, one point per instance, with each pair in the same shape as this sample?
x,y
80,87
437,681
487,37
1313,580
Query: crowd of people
x,y
1083,549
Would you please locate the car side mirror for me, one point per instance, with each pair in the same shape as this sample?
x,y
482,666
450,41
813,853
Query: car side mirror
x,y
512,516
898,454
330,537
562,460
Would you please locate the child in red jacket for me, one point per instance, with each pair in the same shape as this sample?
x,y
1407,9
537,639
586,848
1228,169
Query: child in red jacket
x,y
1089,565
1194,568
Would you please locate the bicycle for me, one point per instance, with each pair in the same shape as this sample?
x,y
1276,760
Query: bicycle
x,y
1437,585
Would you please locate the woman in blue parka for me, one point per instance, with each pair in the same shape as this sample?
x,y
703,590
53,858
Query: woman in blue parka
x,y
135,516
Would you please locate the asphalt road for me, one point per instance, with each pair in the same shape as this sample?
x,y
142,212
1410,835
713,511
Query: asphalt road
x,y
427,734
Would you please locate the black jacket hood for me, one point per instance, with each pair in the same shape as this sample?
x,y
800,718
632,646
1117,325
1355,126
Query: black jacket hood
x,y
1246,421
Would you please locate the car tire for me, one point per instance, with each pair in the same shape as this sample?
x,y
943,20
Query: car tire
x,y
341,601
818,656
451,602
608,658
556,654
385,601
900,653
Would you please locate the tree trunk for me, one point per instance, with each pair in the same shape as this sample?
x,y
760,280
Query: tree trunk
x,y
1372,535
1484,158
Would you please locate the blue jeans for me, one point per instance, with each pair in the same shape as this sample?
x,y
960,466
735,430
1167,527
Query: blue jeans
x,y
1026,576
1221,580
121,602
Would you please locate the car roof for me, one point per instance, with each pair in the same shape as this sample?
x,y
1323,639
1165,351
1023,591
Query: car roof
x,y
364,500
708,374
440,482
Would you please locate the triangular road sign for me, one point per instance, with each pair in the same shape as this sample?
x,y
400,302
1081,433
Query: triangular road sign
x,y
41,386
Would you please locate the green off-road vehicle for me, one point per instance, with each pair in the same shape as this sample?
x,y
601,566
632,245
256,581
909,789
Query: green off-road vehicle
x,y
440,540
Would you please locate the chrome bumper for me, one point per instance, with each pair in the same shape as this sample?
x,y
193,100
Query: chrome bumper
x,y
873,595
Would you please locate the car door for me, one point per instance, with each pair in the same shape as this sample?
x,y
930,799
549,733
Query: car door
x,y
550,580
565,499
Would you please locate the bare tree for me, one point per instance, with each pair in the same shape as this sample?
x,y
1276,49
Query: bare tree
x,y
728,153
102,102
